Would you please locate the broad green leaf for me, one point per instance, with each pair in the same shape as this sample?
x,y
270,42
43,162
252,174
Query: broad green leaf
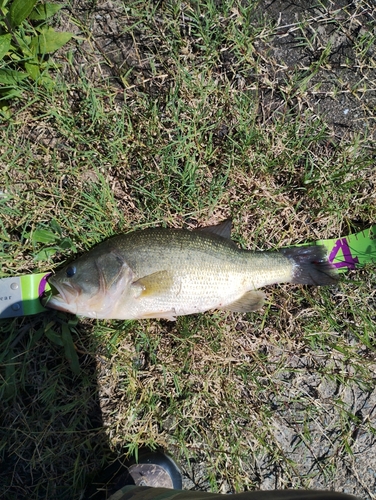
x,y
50,40
70,350
43,236
55,226
47,81
54,337
32,68
13,54
7,93
37,336
34,45
11,76
72,322
5,41
20,10
5,112
67,244
24,44
44,11
45,254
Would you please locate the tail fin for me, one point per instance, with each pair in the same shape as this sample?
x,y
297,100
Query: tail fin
x,y
311,265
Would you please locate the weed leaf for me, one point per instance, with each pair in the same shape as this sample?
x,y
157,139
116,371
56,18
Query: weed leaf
x,y
54,337
55,226
45,11
23,43
43,236
11,76
50,40
67,244
7,93
45,254
70,350
32,69
4,44
20,10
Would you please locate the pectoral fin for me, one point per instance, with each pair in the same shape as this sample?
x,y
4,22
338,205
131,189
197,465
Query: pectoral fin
x,y
153,284
250,301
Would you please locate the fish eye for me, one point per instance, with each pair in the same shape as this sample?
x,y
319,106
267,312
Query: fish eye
x,y
71,271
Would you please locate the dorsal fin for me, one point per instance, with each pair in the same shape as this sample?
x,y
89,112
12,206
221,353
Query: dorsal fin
x,y
222,229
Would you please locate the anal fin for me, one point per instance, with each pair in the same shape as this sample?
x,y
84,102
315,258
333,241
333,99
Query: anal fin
x,y
169,315
250,301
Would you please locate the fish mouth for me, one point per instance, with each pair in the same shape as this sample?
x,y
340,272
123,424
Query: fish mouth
x,y
62,296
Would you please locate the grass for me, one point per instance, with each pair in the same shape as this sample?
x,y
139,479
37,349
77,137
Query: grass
x,y
183,114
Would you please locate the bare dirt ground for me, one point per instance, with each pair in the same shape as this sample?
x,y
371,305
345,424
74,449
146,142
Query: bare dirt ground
x,y
329,93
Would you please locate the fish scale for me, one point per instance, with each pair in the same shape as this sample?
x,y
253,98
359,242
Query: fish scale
x,y
208,272
165,273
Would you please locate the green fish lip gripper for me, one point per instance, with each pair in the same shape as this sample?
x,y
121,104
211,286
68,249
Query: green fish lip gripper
x,y
21,295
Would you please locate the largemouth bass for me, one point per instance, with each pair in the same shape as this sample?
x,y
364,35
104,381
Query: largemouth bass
x,y
165,273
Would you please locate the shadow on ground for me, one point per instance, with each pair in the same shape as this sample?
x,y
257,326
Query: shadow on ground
x,y
52,439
